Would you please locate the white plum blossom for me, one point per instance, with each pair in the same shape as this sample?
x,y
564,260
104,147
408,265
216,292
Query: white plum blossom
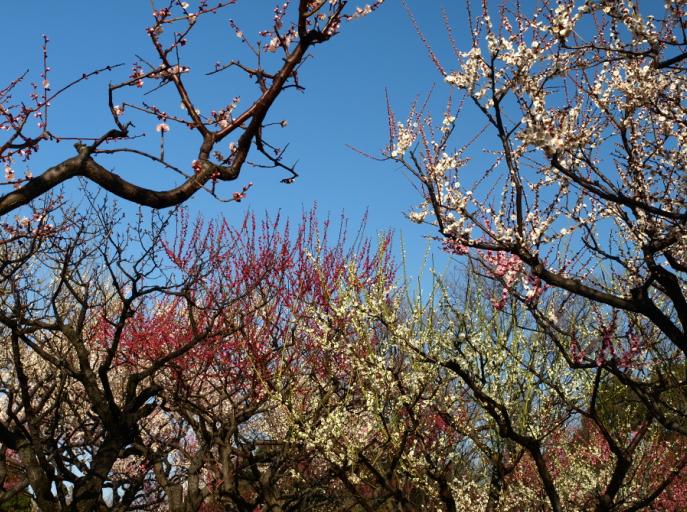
x,y
405,137
418,217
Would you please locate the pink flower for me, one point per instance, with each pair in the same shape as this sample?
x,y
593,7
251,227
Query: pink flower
x,y
454,247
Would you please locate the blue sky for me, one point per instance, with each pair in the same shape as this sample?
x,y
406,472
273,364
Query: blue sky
x,y
343,104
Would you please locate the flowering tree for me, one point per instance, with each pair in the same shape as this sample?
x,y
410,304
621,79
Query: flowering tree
x,y
70,408
583,206
448,403
226,134
586,105
584,439
365,411
139,366
234,449
580,459
581,214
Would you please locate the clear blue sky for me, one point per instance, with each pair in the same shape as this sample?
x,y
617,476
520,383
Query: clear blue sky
x,y
344,102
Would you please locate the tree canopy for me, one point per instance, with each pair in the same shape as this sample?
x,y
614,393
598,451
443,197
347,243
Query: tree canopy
x,y
169,362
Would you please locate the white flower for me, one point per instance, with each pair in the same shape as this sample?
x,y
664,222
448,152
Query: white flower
x,y
162,128
452,79
272,45
447,123
417,217
404,139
